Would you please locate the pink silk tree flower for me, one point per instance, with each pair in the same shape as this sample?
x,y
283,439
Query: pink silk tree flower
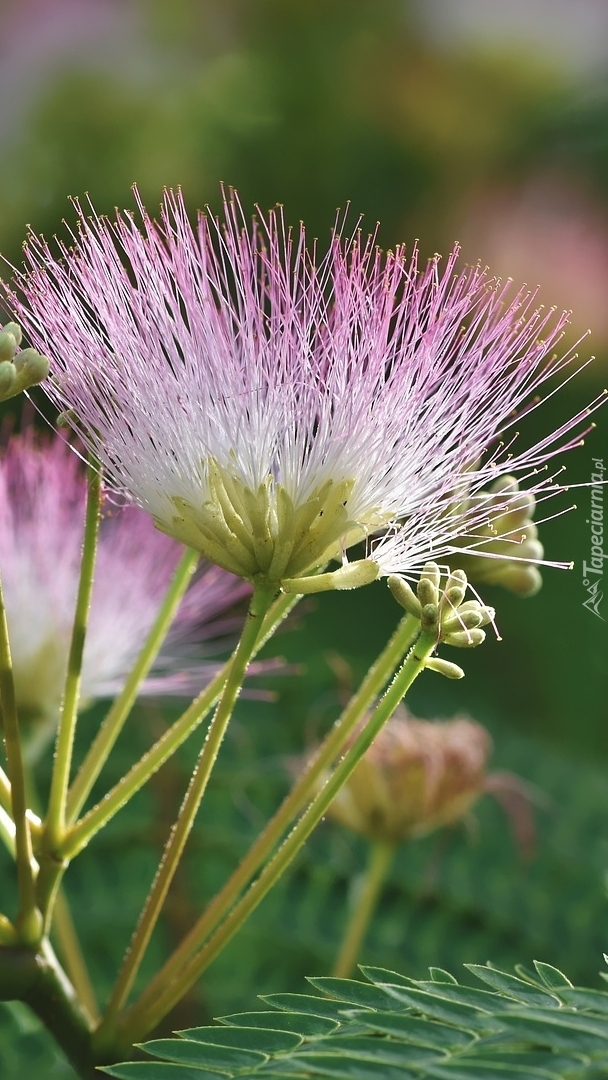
x,y
42,503
271,407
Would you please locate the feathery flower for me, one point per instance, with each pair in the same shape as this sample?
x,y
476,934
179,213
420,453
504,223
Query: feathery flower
x,y
270,407
42,499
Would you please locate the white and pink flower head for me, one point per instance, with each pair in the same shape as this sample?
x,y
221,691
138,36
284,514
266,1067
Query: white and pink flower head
x,y
42,501
271,407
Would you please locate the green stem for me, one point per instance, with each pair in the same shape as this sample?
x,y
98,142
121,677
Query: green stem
x,y
381,856
79,835
55,823
109,731
139,1019
38,979
28,921
69,947
65,933
372,685
259,605
7,832
5,791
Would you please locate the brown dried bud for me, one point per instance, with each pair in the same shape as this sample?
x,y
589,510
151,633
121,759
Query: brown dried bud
x,y
417,776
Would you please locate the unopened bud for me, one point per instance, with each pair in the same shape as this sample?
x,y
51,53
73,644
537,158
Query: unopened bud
x,y
8,345
14,329
488,614
466,639
531,548
18,370
66,419
25,358
469,605
455,589
428,586
7,378
468,617
523,580
521,508
461,620
31,366
429,618
505,485
404,594
444,667
509,537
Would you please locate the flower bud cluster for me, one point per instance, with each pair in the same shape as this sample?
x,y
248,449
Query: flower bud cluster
x,y
18,370
509,538
443,610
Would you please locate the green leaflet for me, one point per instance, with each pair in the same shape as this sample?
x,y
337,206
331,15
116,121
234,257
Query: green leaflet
x,y
303,1024
551,976
265,1040
395,1028
158,1070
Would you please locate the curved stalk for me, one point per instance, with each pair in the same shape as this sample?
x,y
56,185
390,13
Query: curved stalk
x,y
55,822
113,724
145,1014
29,921
259,605
372,685
79,835
52,998
64,933
381,857
5,792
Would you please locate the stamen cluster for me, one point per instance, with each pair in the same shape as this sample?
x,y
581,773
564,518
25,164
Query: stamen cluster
x,y
271,407
42,497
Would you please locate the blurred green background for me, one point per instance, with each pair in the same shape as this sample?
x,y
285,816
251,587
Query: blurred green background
x,y
479,120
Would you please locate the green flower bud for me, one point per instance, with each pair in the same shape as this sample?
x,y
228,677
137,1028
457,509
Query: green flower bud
x,y
467,617
444,667
461,620
8,345
14,329
505,485
455,589
429,618
404,594
7,378
428,586
465,639
510,534
31,367
18,370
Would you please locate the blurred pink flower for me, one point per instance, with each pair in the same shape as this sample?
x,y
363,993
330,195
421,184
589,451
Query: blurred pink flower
x,y
271,408
421,775
42,498
417,776
552,234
